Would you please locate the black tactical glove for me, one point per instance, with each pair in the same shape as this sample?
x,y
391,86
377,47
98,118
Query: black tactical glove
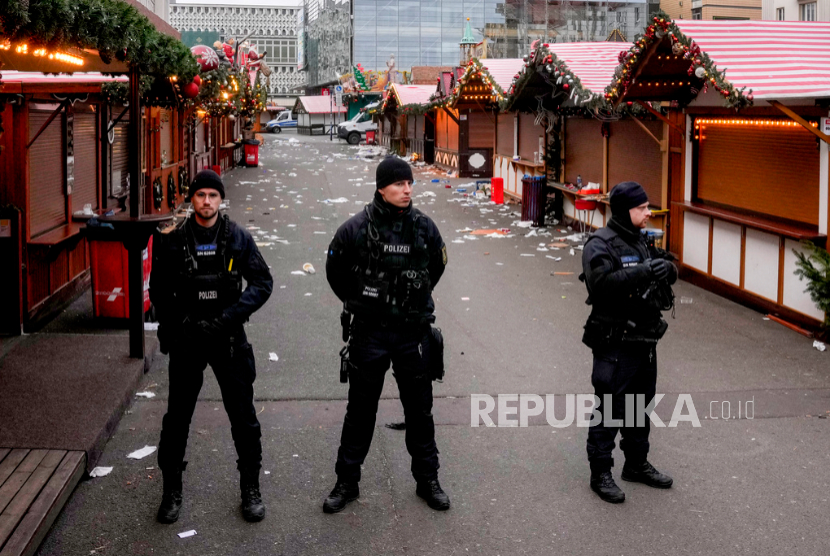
x,y
659,268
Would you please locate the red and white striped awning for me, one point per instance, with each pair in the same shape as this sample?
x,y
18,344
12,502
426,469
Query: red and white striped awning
x,y
502,70
776,59
412,94
31,77
592,62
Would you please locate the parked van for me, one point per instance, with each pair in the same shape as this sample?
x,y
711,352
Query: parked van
x,y
355,129
284,119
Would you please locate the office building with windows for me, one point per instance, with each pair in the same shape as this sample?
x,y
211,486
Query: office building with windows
x,y
342,33
271,24
797,10
712,9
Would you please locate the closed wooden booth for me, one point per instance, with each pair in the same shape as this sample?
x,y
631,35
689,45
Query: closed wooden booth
x,y
751,178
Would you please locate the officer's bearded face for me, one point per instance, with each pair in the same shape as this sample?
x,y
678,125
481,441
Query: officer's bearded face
x,y
640,216
398,194
206,205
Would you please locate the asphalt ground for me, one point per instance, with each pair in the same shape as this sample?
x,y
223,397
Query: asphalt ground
x,y
742,485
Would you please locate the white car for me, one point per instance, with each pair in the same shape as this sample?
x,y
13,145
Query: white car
x,y
355,129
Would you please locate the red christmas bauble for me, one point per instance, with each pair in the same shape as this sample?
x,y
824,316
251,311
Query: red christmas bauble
x,y
566,86
206,57
190,90
197,80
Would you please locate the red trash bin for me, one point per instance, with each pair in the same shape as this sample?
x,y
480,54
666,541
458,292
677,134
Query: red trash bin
x,y
497,190
109,266
370,137
251,152
216,168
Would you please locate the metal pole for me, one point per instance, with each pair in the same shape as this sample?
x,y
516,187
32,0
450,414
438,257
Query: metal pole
x,y
331,116
135,263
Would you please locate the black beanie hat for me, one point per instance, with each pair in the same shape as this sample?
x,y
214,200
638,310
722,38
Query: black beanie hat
x,y
390,170
625,196
206,179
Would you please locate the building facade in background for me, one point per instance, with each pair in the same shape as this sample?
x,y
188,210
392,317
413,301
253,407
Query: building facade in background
x,y
272,22
796,10
342,33
159,7
713,9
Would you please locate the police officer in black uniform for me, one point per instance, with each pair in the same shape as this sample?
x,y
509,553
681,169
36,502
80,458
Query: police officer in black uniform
x,y
196,288
629,284
383,264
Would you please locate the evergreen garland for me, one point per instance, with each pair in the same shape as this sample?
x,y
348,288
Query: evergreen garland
x,y
814,265
114,28
700,64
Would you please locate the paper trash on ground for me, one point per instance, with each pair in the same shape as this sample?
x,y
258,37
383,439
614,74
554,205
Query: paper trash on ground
x,y
819,345
151,326
142,453
273,356
100,472
147,395
185,534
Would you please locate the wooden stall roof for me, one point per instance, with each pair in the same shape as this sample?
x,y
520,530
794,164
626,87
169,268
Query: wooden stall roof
x,y
491,78
743,60
403,95
578,71
22,82
317,105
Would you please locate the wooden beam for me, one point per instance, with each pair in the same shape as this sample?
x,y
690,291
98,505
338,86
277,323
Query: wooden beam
x,y
647,130
659,116
804,123
451,115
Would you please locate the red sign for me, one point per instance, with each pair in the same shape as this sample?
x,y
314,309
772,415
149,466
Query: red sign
x,y
325,92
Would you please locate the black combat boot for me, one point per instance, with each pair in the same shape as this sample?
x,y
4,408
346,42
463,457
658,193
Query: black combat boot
x,y
644,472
435,496
171,499
253,509
341,494
602,482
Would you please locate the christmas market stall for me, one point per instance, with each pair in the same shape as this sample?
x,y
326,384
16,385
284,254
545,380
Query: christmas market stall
x,y
316,114
752,172
557,110
465,115
406,122
65,149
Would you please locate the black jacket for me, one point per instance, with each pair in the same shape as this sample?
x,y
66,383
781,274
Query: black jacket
x,y
614,262
348,259
169,267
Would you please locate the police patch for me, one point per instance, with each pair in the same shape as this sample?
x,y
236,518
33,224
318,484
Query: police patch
x,y
402,249
630,260
206,250
444,254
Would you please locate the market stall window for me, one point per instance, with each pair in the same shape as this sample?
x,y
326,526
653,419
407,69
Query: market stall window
x,y
766,166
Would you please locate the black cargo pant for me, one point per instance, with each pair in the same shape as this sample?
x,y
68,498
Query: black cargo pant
x,y
234,367
371,350
630,368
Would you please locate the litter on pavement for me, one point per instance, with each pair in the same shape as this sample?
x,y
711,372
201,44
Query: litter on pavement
x,y
273,356
142,453
185,534
819,345
309,268
151,326
147,395
100,472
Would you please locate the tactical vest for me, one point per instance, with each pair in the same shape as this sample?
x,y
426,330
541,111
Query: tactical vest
x,y
391,272
644,304
209,281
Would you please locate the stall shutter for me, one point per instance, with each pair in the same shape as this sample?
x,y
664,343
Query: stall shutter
x,y
634,156
120,157
481,130
504,141
583,150
47,201
85,190
410,127
768,170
